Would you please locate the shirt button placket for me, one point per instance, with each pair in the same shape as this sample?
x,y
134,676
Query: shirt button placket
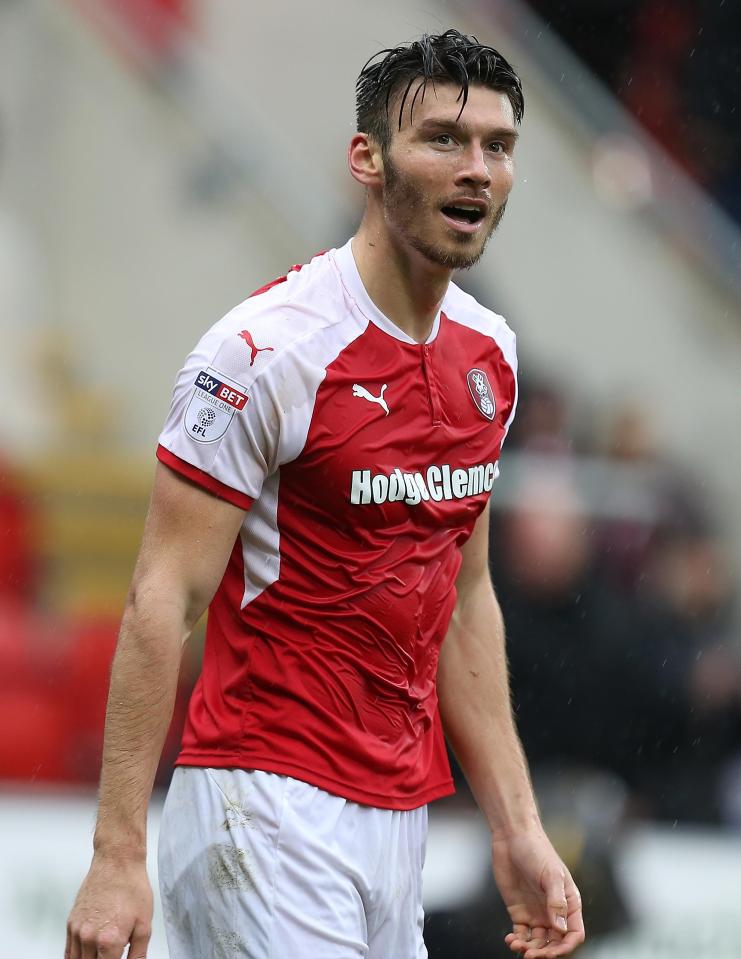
x,y
430,380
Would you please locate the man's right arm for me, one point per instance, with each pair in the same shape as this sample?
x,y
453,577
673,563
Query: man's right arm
x,y
188,537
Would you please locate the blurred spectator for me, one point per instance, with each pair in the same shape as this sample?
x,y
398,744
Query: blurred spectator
x,y
632,683
542,420
619,614
674,63
575,646
549,419
653,495
688,575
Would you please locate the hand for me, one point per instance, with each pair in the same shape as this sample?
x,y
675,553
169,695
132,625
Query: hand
x,y
113,908
540,895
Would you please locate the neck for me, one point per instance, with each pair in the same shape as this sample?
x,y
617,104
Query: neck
x,y
404,285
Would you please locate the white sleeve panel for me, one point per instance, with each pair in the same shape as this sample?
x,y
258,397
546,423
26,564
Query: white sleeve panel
x,y
208,426
243,406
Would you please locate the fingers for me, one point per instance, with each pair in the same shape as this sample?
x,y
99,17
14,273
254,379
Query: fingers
x,y
520,933
524,938
87,942
73,946
545,947
531,943
563,903
549,946
519,939
575,920
544,944
539,942
139,942
556,901
573,907
111,944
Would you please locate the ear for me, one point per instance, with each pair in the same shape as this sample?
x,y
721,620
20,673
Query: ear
x,y
365,160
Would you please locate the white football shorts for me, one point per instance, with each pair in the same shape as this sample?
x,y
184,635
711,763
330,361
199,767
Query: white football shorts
x,y
262,866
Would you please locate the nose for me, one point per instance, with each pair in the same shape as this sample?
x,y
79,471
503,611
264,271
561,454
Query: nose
x,y
474,168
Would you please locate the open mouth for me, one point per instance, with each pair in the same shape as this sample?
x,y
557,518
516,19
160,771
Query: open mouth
x,y
464,214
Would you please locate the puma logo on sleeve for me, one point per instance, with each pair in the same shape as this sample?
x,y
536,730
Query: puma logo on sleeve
x,y
254,350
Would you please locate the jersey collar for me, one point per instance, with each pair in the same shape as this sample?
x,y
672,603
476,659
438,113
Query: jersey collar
x,y
353,283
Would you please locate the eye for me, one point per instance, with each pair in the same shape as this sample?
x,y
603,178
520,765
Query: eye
x,y
443,139
497,147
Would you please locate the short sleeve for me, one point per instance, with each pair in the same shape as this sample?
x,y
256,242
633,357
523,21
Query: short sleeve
x,y
223,428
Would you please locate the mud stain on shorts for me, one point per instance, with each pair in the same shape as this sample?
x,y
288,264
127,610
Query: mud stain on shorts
x,y
237,814
227,943
229,867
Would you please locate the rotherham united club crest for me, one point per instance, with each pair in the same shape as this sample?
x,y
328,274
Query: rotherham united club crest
x,y
482,393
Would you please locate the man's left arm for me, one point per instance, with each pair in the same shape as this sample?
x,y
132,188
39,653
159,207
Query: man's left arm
x,y
473,689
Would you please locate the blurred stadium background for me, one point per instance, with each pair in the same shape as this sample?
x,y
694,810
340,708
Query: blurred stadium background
x,y
159,159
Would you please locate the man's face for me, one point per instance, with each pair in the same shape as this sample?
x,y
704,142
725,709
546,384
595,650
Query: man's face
x,y
447,178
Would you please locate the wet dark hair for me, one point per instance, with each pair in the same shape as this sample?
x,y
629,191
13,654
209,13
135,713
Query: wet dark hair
x,y
449,57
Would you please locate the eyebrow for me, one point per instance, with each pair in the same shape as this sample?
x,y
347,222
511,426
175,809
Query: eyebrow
x,y
444,123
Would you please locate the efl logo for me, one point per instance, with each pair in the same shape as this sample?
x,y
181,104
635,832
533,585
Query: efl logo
x,y
209,383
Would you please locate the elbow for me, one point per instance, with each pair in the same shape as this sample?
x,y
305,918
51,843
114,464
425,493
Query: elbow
x,y
155,606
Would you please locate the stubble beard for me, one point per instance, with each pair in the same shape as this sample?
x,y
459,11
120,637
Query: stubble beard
x,y
403,201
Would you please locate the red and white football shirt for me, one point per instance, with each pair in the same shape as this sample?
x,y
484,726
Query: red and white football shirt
x,y
363,459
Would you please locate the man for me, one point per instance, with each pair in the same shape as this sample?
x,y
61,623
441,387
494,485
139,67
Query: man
x,y
322,487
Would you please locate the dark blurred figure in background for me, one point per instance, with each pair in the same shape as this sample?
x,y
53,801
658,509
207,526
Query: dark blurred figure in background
x,y
618,603
675,65
669,559
688,578
575,646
